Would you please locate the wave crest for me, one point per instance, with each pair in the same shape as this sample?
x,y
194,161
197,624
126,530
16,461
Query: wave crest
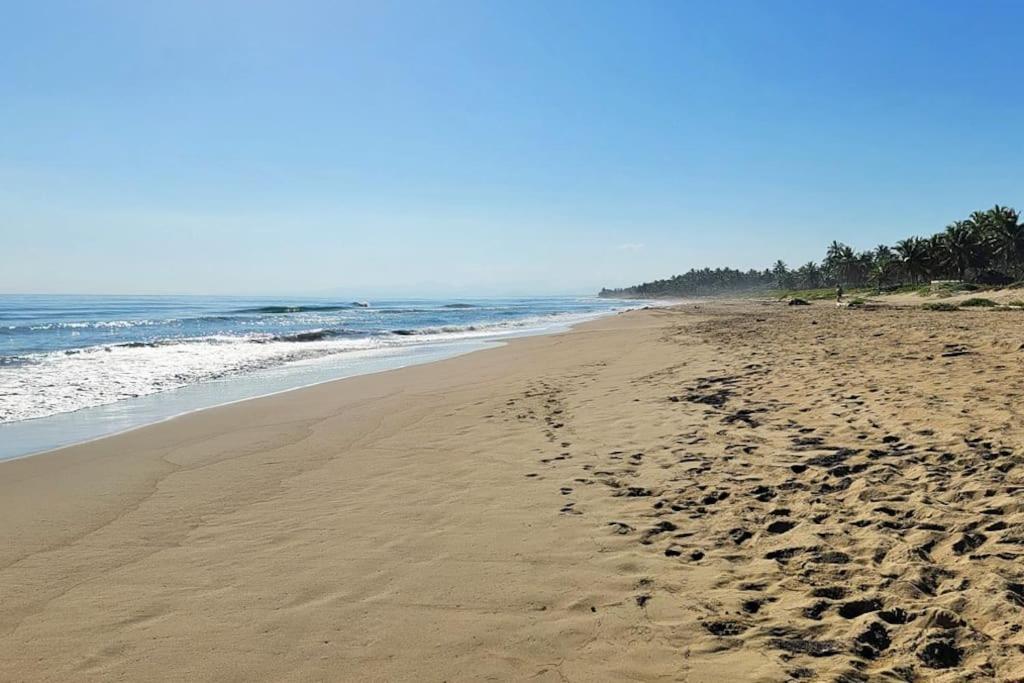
x,y
295,309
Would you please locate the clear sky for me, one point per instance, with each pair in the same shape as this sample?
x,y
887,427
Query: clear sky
x,y
415,147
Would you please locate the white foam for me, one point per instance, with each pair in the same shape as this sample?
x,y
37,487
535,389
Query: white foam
x,y
58,382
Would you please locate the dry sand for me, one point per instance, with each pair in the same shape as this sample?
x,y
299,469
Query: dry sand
x,y
717,492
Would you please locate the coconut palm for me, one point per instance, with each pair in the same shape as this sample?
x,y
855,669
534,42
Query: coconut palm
x,y
809,276
1005,238
913,254
781,275
961,245
979,246
841,263
834,257
882,271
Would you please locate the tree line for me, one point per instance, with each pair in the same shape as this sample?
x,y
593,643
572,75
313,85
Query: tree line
x,y
985,248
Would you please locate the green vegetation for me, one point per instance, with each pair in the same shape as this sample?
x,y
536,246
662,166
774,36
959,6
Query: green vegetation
x,y
940,306
819,294
978,302
986,249
913,288
829,293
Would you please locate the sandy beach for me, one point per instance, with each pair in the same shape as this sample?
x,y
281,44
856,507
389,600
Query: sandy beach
x,y
715,492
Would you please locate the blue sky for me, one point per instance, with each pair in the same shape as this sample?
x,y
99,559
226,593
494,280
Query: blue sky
x,y
428,148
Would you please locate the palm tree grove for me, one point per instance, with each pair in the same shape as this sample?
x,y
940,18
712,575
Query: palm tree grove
x,y
987,248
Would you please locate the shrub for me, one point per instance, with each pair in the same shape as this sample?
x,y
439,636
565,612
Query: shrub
x,y
809,294
950,287
978,302
1016,303
940,306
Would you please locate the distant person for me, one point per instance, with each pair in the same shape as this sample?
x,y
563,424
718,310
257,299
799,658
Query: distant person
x,y
839,293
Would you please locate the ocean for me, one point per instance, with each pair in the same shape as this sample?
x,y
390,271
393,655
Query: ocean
x,y
74,368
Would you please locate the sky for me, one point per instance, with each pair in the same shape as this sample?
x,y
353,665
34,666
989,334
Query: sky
x,y
422,148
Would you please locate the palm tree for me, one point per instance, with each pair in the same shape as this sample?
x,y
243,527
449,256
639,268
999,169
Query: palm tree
x,y
961,245
809,275
882,270
841,262
980,235
1005,237
935,256
781,275
988,239
863,264
833,258
913,254
980,219
835,250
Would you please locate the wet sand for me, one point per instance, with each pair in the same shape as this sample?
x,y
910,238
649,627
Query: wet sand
x,y
729,491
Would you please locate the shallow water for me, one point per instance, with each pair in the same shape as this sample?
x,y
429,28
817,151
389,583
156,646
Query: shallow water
x,y
74,368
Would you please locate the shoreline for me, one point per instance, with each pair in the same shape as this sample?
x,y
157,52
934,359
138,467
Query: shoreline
x,y
724,491
484,346
248,387
191,411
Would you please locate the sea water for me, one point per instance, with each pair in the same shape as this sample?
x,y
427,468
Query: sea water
x,y
74,368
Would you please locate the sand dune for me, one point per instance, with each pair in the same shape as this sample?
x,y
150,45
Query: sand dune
x,y
709,493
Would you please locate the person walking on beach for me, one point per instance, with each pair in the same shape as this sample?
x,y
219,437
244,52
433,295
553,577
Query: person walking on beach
x,y
839,293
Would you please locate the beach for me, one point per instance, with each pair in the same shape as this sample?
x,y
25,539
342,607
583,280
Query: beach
x,y
712,492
